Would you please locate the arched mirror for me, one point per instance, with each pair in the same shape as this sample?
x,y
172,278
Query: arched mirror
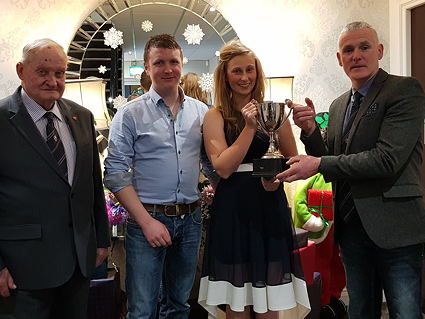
x,y
138,20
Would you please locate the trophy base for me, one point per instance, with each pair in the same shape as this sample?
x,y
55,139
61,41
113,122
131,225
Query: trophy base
x,y
269,167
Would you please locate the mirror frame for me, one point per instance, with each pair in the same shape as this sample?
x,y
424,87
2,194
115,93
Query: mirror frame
x,y
111,8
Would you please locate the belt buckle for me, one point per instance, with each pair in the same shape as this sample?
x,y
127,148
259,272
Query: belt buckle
x,y
171,215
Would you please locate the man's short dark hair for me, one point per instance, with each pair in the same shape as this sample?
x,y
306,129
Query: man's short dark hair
x,y
163,41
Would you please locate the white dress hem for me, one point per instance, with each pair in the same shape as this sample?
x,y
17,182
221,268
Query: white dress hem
x,y
291,298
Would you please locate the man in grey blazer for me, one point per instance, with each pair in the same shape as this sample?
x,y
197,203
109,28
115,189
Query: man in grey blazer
x,y
372,155
53,223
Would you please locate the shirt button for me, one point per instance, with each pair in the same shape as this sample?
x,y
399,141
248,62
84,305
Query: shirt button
x,y
179,152
181,171
177,133
178,191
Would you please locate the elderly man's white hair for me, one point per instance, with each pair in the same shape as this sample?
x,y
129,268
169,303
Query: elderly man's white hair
x,y
37,45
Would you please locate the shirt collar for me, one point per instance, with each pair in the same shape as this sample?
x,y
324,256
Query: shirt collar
x,y
158,100
365,88
35,110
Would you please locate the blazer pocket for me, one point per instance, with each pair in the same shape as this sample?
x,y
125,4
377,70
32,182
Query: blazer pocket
x,y
398,191
20,232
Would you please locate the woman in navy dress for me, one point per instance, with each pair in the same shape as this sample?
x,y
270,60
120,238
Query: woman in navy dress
x,y
249,262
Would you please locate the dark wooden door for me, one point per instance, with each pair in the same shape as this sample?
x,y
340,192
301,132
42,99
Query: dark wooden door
x,y
418,43
418,71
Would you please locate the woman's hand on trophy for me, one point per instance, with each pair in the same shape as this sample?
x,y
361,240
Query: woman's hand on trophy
x,y
270,185
249,113
304,115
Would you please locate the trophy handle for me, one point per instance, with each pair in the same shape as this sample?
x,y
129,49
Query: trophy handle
x,y
286,116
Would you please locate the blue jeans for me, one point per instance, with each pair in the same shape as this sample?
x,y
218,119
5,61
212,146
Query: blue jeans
x,y
145,265
369,269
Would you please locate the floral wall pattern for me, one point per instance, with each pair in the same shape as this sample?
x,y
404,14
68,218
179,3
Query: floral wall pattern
x,y
299,38
291,37
26,20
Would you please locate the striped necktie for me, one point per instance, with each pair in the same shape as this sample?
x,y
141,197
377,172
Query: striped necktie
x,y
344,198
55,144
354,108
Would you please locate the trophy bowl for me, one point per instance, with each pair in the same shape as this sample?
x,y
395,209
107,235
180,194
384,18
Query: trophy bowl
x,y
271,116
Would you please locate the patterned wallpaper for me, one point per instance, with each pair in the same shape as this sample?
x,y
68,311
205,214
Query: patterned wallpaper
x,y
26,20
291,37
303,36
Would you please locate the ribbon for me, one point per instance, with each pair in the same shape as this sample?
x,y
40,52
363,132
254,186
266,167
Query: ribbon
x,y
312,209
319,212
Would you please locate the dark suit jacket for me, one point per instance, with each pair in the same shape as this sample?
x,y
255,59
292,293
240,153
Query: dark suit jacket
x,y
382,159
46,225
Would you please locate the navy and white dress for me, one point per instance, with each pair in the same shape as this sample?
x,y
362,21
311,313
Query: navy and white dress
x,y
249,257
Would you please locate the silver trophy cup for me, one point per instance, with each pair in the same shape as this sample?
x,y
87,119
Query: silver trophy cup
x,y
271,117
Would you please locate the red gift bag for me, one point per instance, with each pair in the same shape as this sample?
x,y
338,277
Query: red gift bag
x,y
319,204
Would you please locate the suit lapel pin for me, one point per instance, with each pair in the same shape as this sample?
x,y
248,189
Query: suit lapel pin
x,y
74,118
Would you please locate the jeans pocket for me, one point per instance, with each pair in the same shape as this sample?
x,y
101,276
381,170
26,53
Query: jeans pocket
x,y
132,223
196,217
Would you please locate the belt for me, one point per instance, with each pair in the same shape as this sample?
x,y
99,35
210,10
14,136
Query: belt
x,y
172,210
247,167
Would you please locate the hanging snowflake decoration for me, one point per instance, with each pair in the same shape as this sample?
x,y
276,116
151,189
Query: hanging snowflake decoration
x,y
119,101
206,82
193,34
185,60
147,26
113,38
102,69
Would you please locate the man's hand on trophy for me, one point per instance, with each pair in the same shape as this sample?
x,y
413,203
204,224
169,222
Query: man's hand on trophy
x,y
304,115
249,113
302,167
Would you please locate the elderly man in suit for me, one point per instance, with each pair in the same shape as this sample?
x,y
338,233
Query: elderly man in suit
x,y
372,154
53,223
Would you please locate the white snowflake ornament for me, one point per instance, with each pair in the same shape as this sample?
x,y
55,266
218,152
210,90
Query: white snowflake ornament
x,y
119,101
185,60
102,69
113,38
147,26
193,34
206,82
